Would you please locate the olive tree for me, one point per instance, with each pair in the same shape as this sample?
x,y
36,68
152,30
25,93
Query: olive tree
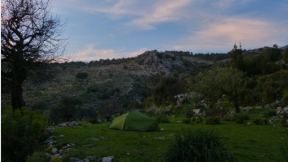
x,y
29,41
212,84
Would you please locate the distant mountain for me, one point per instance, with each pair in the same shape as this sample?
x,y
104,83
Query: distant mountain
x,y
283,48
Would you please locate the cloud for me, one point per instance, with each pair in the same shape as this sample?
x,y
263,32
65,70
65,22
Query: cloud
x,y
223,3
89,53
227,31
164,11
145,15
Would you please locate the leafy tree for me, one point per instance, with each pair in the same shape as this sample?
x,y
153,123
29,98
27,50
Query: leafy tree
x,y
212,84
236,58
167,88
29,40
82,75
285,55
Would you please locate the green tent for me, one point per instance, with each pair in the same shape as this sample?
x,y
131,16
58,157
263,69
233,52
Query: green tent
x,y
135,121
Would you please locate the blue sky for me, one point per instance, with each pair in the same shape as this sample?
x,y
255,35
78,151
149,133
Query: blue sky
x,y
127,28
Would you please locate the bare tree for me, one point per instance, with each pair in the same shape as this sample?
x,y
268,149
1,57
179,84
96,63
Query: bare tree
x,y
29,41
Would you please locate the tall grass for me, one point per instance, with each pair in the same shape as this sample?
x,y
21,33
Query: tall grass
x,y
199,145
269,113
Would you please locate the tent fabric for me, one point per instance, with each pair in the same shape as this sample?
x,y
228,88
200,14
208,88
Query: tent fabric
x,y
135,121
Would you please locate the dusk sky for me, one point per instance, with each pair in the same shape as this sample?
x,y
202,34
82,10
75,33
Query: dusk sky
x,y
126,28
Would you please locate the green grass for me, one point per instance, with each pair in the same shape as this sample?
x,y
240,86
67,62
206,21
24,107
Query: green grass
x,y
247,142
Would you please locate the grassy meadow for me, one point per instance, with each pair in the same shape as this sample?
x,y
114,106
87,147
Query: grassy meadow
x,y
249,142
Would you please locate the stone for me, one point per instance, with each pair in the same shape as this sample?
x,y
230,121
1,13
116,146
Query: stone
x,y
54,150
62,125
196,111
102,137
73,159
91,158
99,160
49,140
93,138
73,123
162,138
108,159
61,136
67,150
279,108
50,130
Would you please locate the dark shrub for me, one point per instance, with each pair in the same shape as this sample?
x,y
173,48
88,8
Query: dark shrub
x,y
186,121
213,121
21,133
284,120
41,105
269,113
82,75
199,145
162,119
193,119
265,121
125,67
93,120
69,109
199,120
258,121
241,117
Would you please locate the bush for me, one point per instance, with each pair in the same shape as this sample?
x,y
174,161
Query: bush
x,y
162,119
269,113
284,120
38,157
21,132
82,75
258,121
68,110
188,113
186,121
198,145
241,117
213,121
199,120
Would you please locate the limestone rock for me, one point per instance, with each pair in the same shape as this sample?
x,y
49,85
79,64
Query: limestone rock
x,y
73,159
54,150
62,125
108,159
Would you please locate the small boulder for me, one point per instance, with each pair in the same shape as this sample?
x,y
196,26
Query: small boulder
x,y
279,108
108,159
91,158
93,138
62,125
61,136
73,159
54,150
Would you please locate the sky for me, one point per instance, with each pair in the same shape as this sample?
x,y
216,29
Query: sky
x,y
126,28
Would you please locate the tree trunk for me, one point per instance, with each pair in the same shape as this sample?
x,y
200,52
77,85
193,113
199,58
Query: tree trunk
x,y
236,104
17,96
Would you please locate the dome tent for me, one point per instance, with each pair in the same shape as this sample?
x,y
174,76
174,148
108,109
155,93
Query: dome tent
x,y
135,121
